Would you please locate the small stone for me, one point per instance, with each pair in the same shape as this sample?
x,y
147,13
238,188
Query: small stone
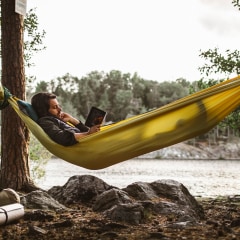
x,y
36,230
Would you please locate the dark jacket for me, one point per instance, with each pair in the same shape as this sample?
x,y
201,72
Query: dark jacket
x,y
59,131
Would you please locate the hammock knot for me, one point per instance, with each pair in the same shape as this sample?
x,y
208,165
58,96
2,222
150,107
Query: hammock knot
x,y
4,100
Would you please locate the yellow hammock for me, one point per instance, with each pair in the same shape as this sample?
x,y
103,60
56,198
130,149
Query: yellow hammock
x,y
175,122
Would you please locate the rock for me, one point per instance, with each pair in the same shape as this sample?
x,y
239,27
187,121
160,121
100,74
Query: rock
x,y
141,191
235,223
40,200
178,193
110,198
169,197
79,189
132,213
157,235
180,151
34,230
134,204
199,150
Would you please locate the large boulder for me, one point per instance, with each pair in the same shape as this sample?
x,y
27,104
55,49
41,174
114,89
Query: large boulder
x,y
79,189
166,191
134,204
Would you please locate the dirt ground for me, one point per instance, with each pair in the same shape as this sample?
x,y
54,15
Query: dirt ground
x,y
222,221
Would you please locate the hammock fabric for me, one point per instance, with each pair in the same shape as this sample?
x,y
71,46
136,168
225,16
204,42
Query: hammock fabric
x,y
175,122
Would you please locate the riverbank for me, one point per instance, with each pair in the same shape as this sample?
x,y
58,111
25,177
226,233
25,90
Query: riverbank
x,y
199,150
205,178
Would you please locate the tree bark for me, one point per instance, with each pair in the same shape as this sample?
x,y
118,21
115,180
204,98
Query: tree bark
x,y
15,172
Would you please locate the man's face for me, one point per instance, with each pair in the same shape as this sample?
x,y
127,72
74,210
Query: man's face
x,y
54,108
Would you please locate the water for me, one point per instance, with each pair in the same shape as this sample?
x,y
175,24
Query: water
x,y
206,178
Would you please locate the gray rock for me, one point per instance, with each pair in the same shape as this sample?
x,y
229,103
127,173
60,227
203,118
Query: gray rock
x,y
179,194
132,213
141,191
110,198
79,189
168,197
133,204
34,230
40,200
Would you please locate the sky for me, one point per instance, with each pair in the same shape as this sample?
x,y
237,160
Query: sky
x,y
158,40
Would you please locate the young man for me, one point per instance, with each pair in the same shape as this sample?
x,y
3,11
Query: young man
x,y
60,126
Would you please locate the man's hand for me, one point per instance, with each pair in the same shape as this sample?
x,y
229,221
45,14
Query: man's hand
x,y
66,117
93,129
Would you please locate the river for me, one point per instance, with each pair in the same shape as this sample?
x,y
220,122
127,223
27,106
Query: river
x,y
203,178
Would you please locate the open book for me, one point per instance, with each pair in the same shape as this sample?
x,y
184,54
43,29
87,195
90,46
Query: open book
x,y
95,116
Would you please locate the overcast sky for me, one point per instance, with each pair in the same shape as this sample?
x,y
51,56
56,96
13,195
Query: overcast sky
x,y
160,40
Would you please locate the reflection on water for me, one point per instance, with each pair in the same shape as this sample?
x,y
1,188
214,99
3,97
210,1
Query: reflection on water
x,y
207,178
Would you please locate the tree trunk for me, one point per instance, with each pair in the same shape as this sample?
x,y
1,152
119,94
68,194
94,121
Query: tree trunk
x,y
15,172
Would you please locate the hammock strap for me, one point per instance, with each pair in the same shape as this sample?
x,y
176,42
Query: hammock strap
x,y
4,101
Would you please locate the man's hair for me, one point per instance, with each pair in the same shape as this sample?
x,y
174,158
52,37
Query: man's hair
x,y
40,103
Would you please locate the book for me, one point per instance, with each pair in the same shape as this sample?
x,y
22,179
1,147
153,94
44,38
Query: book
x,y
96,116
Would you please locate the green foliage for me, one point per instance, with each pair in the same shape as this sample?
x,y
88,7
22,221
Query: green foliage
x,y
39,157
41,87
202,84
183,82
123,99
171,91
34,38
232,121
217,62
236,4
